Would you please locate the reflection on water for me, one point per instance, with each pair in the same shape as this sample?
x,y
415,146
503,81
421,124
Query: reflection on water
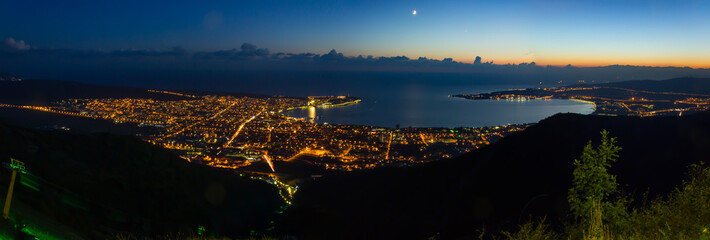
x,y
441,112
312,114
411,99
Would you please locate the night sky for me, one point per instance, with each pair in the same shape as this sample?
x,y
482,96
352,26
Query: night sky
x,y
581,33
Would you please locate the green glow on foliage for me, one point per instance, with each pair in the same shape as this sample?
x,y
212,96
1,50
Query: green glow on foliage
x,y
201,230
37,234
71,201
30,182
31,229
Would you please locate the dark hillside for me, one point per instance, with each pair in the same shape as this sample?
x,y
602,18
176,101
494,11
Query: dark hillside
x,y
43,92
676,85
100,184
525,174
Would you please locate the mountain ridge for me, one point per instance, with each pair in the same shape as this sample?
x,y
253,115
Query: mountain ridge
x,y
523,176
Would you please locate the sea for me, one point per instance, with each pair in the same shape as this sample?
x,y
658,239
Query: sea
x,y
416,105
392,99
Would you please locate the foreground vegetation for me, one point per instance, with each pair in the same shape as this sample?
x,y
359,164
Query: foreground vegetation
x,y
599,211
94,186
418,201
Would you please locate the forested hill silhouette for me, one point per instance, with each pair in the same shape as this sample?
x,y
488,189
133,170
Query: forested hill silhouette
x,y
97,185
676,85
525,175
37,92
43,92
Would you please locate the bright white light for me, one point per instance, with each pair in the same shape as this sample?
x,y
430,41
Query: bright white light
x,y
414,12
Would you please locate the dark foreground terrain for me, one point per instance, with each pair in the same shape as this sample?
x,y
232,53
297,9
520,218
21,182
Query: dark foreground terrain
x,y
523,176
83,184
94,186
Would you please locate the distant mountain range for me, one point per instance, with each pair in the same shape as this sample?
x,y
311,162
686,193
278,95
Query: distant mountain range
x,y
9,77
43,92
677,85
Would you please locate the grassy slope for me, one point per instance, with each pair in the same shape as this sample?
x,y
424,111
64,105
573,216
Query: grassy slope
x,y
100,184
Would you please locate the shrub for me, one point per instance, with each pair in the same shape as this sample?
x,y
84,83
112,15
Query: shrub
x,y
592,184
685,214
532,231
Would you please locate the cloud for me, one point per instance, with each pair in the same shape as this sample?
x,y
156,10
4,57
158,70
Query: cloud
x,y
332,56
246,51
248,47
251,50
12,44
18,58
134,53
294,56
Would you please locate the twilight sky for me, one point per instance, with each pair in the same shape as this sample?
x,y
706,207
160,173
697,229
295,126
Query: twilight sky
x,y
581,33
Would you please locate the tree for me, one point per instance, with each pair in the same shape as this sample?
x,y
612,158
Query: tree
x,y
592,184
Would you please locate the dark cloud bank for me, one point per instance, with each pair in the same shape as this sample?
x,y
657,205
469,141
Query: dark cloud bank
x,y
181,68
